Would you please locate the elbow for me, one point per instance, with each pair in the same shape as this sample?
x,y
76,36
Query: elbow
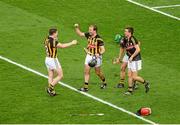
x,y
81,34
139,50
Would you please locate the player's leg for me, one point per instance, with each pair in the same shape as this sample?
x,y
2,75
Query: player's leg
x,y
52,84
49,65
53,66
123,71
58,77
122,75
50,79
130,79
101,76
86,75
141,80
130,83
87,69
50,75
135,85
135,67
58,69
86,78
136,77
99,72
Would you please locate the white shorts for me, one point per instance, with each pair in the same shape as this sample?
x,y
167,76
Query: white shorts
x,y
135,65
52,63
125,58
89,58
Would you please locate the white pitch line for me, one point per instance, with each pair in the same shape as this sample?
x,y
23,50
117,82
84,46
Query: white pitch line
x,y
152,9
83,93
97,114
169,6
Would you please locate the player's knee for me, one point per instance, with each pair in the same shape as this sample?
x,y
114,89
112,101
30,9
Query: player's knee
x,y
60,75
134,77
123,68
86,72
129,75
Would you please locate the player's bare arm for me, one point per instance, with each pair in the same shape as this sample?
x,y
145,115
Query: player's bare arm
x,y
78,31
65,45
135,53
102,50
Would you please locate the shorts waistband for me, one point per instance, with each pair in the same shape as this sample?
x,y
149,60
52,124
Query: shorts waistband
x,y
50,57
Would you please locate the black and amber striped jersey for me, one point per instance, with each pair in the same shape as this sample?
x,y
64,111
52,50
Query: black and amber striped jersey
x,y
94,43
50,46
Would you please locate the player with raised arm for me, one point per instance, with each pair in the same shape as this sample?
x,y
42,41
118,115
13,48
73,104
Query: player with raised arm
x,y
51,44
95,49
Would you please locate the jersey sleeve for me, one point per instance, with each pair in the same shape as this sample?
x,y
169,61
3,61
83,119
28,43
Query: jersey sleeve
x,y
46,41
134,40
56,43
100,42
87,35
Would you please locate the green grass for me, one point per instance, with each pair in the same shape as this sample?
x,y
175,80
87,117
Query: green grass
x,y
175,11
25,101
159,2
24,25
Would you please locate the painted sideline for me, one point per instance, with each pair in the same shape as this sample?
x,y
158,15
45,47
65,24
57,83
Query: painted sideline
x,y
169,6
152,9
74,89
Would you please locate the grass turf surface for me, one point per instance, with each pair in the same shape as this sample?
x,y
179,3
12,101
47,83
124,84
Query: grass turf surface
x,y
24,25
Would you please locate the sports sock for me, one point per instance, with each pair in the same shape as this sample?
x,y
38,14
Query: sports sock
x,y
130,89
51,87
86,85
104,81
121,81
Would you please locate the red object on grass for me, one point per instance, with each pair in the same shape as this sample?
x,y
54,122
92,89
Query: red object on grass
x,y
145,111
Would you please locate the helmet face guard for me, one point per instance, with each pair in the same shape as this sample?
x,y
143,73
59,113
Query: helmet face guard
x,y
93,62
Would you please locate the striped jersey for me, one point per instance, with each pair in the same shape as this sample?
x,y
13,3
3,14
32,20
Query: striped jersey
x,y
94,43
50,46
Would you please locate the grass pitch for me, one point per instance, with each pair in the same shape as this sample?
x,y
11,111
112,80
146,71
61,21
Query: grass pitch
x,y
24,25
